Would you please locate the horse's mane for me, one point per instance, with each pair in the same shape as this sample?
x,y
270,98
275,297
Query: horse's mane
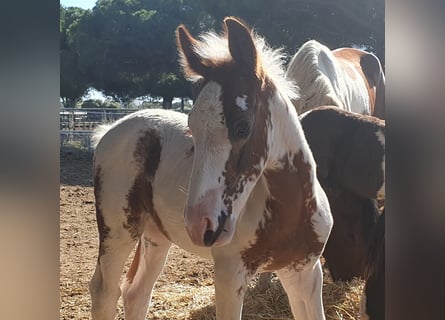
x,y
315,87
215,47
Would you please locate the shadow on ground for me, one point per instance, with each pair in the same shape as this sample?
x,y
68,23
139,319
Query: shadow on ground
x,y
76,166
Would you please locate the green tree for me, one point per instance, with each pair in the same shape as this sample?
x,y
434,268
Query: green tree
x,y
73,82
290,23
127,47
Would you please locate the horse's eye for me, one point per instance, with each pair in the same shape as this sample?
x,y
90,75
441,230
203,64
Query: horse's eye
x,y
241,129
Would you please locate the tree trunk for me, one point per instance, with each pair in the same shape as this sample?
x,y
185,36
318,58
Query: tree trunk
x,y
182,104
167,102
70,103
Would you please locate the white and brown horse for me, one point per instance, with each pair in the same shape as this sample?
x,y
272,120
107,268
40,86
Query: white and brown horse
x,y
348,78
254,202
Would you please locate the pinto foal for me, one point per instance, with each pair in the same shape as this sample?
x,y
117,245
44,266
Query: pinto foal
x,y
254,203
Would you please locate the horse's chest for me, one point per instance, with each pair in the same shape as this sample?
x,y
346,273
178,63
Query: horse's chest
x,y
285,238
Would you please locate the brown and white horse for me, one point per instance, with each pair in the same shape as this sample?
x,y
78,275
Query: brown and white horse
x,y
254,202
348,78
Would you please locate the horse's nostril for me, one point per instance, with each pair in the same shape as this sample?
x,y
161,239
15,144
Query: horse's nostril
x,y
209,238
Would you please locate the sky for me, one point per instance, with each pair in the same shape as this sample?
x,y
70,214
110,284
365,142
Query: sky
x,y
85,4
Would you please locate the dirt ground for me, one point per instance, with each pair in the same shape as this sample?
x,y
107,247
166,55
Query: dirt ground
x,y
184,289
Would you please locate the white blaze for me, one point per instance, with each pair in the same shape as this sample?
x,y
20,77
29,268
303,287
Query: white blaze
x,y
241,102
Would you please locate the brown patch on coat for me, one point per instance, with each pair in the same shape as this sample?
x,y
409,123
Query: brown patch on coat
x,y
103,229
287,237
350,58
368,66
246,155
140,197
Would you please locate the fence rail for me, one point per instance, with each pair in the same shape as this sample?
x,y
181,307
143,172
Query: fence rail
x,y
77,125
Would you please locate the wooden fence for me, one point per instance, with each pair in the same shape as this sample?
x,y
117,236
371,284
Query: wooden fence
x,y
77,125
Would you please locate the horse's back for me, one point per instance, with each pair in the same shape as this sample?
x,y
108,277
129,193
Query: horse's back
x,y
123,134
368,66
132,147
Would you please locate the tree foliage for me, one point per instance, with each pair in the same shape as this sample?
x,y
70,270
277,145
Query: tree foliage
x,y
73,82
126,48
290,23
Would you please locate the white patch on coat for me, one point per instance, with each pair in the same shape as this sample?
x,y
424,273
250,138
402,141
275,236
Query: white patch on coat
x,y
241,102
381,139
322,220
211,140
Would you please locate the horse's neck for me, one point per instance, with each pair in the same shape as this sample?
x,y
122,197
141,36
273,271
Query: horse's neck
x,y
254,212
286,136
288,177
277,223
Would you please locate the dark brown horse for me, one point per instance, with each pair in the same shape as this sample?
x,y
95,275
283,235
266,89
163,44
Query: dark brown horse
x,y
372,306
349,150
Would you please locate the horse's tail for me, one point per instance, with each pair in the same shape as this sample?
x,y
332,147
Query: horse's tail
x,y
306,69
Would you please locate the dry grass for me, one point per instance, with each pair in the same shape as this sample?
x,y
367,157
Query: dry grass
x,y
185,288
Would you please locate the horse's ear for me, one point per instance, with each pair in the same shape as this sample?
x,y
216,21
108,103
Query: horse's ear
x,y
192,64
241,45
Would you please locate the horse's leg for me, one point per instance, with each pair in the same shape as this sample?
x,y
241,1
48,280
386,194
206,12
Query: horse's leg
x,y
231,279
104,286
116,240
303,289
147,264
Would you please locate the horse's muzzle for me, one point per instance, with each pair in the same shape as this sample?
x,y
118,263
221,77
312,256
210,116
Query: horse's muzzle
x,y
211,236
